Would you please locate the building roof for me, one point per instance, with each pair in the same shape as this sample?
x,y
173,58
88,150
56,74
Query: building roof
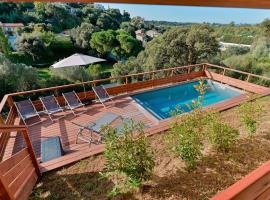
x,y
12,25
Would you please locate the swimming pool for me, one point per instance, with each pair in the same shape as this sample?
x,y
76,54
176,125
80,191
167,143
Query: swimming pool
x,y
161,102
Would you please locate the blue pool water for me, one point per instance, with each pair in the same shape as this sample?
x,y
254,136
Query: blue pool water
x,y
161,102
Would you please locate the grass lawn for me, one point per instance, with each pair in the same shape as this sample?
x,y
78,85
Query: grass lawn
x,y
43,73
214,172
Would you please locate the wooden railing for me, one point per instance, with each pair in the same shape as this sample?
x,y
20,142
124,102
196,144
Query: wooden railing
x,y
226,69
255,185
19,173
8,98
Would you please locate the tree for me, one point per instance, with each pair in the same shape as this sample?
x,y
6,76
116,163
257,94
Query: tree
x,y
242,63
260,49
94,71
15,12
31,44
125,17
16,77
90,14
179,46
82,34
138,22
72,74
234,51
127,46
103,41
265,27
4,45
105,22
128,27
201,43
124,68
56,14
120,43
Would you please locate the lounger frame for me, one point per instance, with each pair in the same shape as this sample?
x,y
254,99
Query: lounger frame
x,y
50,113
103,101
23,118
72,108
88,127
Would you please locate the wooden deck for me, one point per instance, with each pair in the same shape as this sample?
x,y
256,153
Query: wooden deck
x,y
64,128
124,106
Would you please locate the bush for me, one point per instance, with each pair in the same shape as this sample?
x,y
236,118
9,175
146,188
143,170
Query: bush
x,y
72,74
186,133
185,137
221,135
127,156
16,77
94,71
250,113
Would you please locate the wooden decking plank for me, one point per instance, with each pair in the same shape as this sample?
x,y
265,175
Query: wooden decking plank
x,y
7,165
68,159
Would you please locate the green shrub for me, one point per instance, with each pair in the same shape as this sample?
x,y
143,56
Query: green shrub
x,y
250,113
185,137
221,135
94,71
129,159
186,133
72,74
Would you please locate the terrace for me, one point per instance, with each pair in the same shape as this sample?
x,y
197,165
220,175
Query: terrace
x,y
23,150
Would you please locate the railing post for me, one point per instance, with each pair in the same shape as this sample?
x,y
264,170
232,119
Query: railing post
x,y
189,69
31,151
126,80
203,68
172,73
2,121
224,71
248,78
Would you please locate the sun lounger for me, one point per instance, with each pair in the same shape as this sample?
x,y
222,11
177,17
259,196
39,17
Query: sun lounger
x,y
73,102
51,105
96,126
27,110
102,95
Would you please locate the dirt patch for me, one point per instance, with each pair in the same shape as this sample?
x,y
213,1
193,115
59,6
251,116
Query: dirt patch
x,y
214,172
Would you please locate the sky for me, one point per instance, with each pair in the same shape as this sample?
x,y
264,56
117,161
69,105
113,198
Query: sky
x,y
194,14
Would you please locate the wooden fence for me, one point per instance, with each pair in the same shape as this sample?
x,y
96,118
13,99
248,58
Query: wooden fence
x,y
19,173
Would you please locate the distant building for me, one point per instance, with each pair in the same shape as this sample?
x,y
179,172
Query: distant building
x,y
145,36
140,35
10,28
225,45
152,33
